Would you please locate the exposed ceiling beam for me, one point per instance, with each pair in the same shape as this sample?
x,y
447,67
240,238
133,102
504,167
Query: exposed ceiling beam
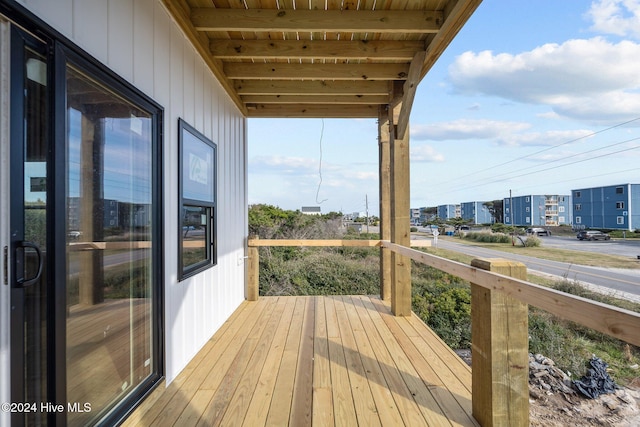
x,y
314,87
316,99
273,20
312,110
326,49
243,70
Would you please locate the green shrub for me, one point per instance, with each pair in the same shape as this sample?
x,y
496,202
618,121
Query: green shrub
x,y
625,234
532,242
488,237
443,302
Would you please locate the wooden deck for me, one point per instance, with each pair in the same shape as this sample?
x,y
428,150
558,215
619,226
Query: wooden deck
x,y
299,361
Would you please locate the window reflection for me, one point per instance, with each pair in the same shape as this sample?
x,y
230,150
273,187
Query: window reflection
x,y
195,226
109,262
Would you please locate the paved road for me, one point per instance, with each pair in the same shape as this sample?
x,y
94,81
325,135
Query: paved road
x,y
629,247
618,280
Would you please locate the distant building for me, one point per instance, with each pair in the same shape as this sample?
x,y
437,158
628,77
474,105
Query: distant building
x,y
611,207
427,214
476,212
538,210
446,212
414,215
354,215
311,210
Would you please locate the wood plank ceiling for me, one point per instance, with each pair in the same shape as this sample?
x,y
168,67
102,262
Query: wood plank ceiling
x,y
321,58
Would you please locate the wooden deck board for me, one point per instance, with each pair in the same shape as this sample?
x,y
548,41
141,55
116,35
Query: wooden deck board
x,y
323,361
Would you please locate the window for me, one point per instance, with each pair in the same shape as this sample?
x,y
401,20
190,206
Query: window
x,y
560,208
528,199
528,220
620,220
619,205
578,194
197,223
578,220
561,219
619,190
578,207
527,209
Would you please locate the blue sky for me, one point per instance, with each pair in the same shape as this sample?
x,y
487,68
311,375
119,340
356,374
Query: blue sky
x,y
536,97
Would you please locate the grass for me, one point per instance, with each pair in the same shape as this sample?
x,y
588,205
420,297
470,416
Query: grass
x,y
570,345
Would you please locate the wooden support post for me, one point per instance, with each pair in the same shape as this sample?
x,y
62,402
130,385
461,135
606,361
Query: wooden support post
x,y
253,273
400,223
500,350
384,158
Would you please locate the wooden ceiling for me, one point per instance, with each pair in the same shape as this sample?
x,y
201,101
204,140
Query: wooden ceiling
x,y
321,58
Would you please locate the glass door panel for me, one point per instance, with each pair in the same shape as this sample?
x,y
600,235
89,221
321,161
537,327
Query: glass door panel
x,y
109,253
28,221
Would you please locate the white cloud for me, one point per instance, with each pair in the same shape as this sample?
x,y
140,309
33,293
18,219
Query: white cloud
x,y
284,165
425,153
465,129
588,79
619,17
549,138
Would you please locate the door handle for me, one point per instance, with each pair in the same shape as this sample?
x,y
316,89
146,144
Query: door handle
x,y
22,281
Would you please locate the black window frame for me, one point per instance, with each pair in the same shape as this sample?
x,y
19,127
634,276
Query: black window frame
x,y
61,51
210,232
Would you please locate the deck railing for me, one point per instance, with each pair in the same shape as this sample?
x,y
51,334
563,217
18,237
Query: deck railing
x,y
499,306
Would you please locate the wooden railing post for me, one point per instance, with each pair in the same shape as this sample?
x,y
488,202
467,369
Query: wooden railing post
x,y
384,174
253,268
400,222
500,357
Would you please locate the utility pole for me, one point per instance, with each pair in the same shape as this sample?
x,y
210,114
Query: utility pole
x,y
513,232
366,204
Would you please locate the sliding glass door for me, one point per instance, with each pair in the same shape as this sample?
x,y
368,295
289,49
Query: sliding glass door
x,y
86,232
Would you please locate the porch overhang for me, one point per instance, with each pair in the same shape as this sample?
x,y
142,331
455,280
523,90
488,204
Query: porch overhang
x,y
321,59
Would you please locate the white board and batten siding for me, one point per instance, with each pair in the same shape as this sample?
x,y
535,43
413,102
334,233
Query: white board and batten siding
x,y
140,42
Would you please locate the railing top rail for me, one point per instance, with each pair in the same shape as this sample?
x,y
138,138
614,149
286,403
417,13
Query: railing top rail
x,y
616,322
313,242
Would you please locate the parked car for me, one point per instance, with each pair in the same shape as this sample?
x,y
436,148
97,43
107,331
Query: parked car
x,y
592,235
538,231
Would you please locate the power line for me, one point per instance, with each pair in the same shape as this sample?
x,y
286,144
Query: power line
x,y
548,148
507,176
570,157
320,167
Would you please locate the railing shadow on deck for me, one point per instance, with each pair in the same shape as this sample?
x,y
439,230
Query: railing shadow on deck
x,y
500,380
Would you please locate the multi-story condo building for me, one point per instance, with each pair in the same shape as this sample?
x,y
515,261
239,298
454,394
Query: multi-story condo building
x,y
477,212
540,210
446,212
610,207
